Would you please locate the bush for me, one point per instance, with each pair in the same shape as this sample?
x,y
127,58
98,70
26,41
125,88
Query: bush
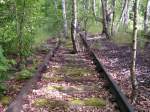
x,y
2,89
3,69
3,64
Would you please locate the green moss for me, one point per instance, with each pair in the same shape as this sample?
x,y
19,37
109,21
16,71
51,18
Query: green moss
x,y
58,104
24,74
50,104
5,100
55,79
96,102
77,102
76,71
59,88
50,88
41,102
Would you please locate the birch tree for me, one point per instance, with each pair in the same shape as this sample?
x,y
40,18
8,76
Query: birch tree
x,y
134,51
74,25
124,18
146,16
94,7
86,8
105,23
113,17
64,17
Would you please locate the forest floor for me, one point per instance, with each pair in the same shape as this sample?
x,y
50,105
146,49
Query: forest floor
x,y
117,59
69,85
18,78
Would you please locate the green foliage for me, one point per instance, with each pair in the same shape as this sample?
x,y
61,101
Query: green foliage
x,y
3,88
122,38
24,74
3,64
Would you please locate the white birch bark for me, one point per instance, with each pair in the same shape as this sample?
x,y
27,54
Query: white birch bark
x,y
146,16
113,17
134,51
124,15
74,25
94,7
64,17
105,23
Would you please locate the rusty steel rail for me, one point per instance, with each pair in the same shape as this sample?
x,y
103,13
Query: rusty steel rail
x,y
16,105
121,99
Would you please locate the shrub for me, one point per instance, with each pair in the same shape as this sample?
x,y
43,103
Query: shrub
x,y
3,64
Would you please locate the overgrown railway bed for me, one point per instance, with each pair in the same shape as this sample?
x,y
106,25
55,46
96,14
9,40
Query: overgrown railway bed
x,y
115,60
70,83
115,89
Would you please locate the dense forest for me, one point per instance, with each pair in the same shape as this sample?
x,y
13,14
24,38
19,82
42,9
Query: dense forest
x,y
110,26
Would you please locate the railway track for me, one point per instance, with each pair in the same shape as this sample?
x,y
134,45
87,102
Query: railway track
x,y
120,98
16,105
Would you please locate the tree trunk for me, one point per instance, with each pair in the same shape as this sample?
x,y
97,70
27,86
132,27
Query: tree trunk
x,y
113,18
134,51
94,7
97,19
86,6
105,23
146,16
64,17
74,25
124,18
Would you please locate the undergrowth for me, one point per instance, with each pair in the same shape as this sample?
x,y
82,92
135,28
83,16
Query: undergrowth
x,y
4,66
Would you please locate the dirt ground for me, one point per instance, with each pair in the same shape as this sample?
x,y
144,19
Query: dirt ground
x,y
69,85
117,59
